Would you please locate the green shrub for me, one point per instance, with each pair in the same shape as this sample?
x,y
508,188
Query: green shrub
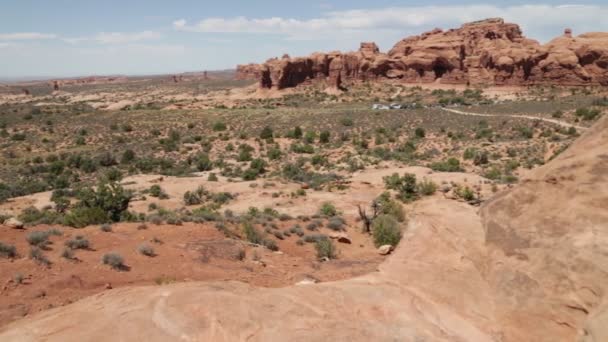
x,y
450,165
347,121
587,114
37,255
39,238
386,231
465,193
324,137
251,234
266,133
270,244
84,216
335,223
219,126
101,205
7,251
420,132
325,249
107,228
426,187
328,209
390,207
113,260
79,242
146,250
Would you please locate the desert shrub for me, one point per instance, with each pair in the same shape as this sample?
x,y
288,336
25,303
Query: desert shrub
x,y
386,231
296,229
203,162
34,216
83,216
192,198
426,187
419,132
526,132
270,244
38,256
557,114
39,238
127,157
325,249
212,177
105,228
67,253
312,226
97,206
113,260
312,238
324,137
465,193
335,223
347,121
274,153
251,234
449,165
146,250
7,251
156,191
219,126
405,186
390,207
587,114
266,133
480,158
78,242
328,209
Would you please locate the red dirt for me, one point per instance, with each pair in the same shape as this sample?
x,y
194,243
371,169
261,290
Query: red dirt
x,y
191,252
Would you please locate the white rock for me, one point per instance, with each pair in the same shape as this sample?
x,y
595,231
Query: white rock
x,y
13,223
385,249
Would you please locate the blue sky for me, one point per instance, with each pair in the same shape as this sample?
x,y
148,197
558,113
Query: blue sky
x,y
83,37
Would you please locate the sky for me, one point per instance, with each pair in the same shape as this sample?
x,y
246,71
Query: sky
x,y
65,38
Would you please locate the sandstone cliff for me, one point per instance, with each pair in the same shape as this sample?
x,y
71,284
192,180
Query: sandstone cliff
x,y
489,52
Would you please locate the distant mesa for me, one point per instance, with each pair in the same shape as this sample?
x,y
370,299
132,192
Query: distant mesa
x,y
486,52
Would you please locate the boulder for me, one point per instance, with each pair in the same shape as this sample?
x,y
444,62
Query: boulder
x,y
385,249
340,237
13,223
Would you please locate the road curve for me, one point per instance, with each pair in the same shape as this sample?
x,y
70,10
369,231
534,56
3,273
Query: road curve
x,y
528,117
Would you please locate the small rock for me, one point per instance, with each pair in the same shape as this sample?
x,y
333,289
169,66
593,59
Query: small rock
x,y
108,286
305,186
13,223
385,249
340,237
307,281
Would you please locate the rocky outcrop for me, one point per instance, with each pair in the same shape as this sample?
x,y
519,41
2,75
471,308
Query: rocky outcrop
x,y
489,52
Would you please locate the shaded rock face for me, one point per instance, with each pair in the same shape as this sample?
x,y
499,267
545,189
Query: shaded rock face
x,y
489,52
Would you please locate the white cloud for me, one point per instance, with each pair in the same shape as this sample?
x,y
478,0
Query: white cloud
x,y
122,38
26,36
116,37
538,21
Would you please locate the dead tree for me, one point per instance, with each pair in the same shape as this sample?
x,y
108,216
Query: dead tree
x,y
56,86
368,220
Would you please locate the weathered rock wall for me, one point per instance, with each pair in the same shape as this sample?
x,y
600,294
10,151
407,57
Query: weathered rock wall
x,y
487,52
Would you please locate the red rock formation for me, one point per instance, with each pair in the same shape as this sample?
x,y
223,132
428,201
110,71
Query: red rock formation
x,y
484,52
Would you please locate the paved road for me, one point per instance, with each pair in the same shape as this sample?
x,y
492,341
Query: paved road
x,y
529,117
